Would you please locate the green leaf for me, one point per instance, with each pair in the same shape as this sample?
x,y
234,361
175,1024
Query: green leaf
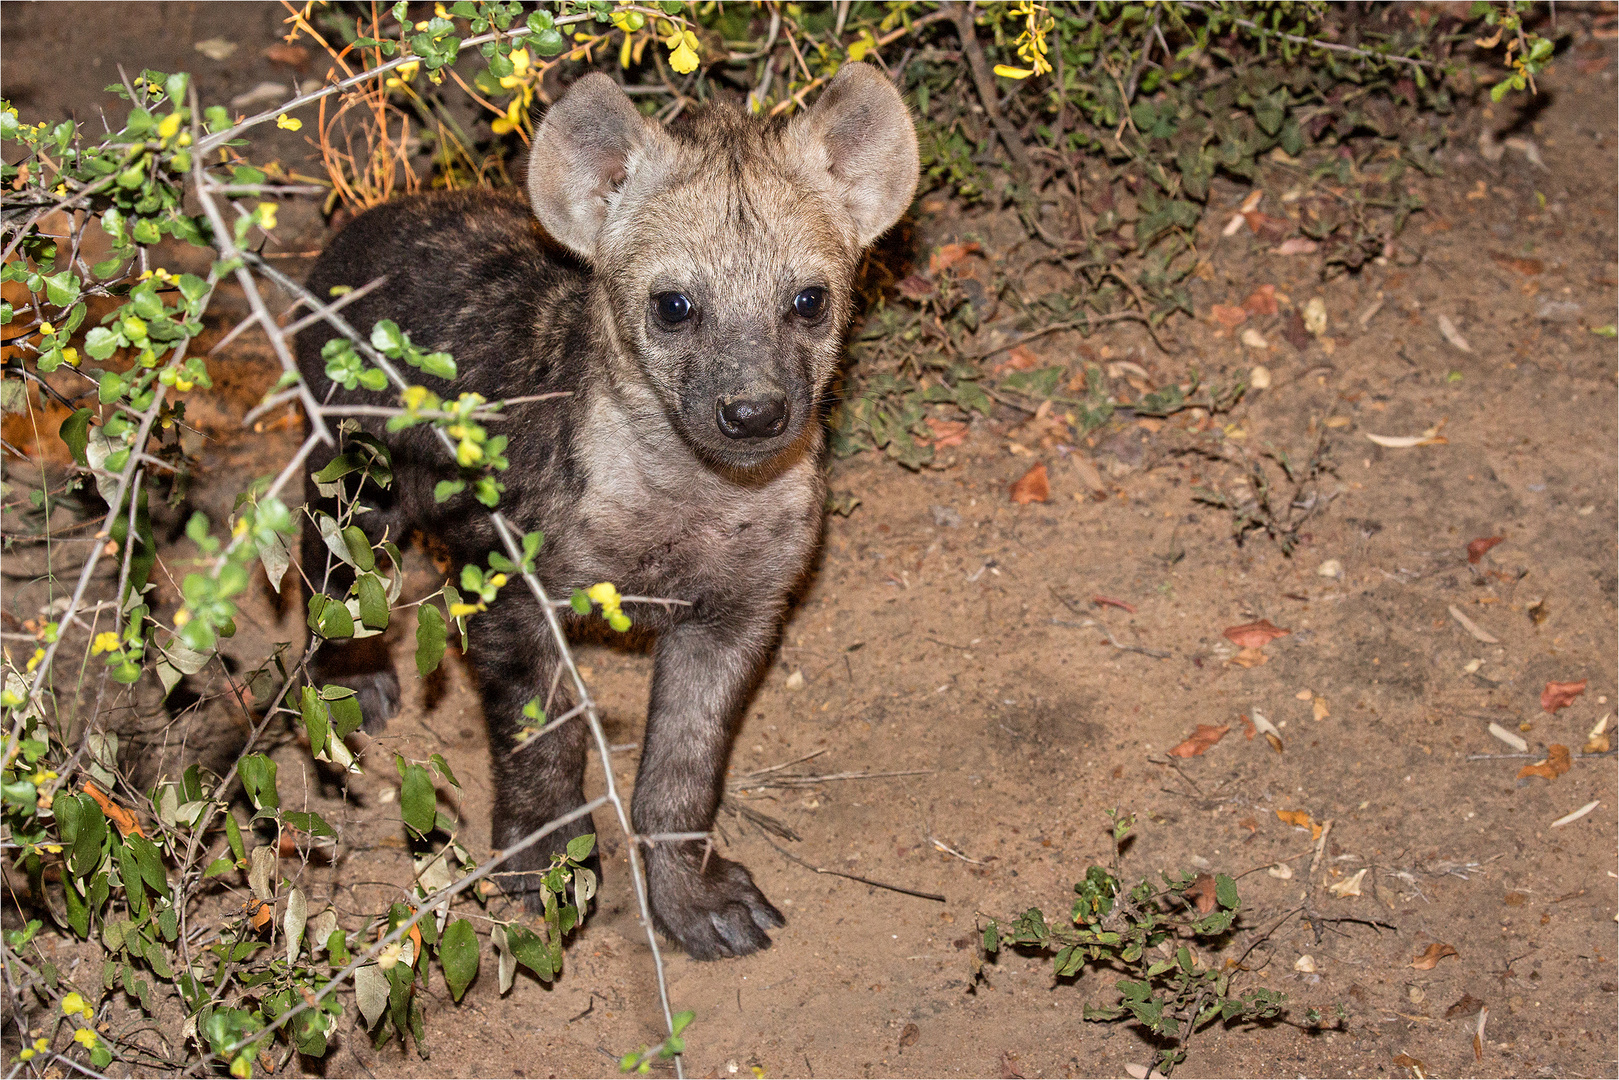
x,y
346,716
580,847
445,490
311,823
580,602
359,548
315,723
417,799
458,953
530,951
387,337
233,833
329,618
444,769
75,432
1225,891
430,639
258,777
373,600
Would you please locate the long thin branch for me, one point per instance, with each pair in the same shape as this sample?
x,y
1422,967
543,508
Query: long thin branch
x,y
984,82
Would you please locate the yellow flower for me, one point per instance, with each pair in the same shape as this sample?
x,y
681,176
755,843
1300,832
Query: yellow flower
x,y
169,126
404,73
46,328
181,617
468,453
520,62
25,1055
414,396
33,661
389,956
106,641
461,611
85,1037
1007,72
288,123
267,215
682,51
73,1003
71,356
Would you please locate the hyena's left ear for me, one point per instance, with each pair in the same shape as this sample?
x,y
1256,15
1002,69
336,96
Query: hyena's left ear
x,y
858,141
591,142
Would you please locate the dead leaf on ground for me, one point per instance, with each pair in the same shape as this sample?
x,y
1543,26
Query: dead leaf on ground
x,y
1432,955
1406,1061
1034,486
1254,635
1262,301
1250,657
1019,358
1295,332
1467,1005
1228,316
116,814
1267,228
1597,740
909,1035
1556,764
1477,548
947,432
1349,886
915,287
1526,267
1560,695
1204,737
947,255
1303,820
1248,729
294,56
1319,709
1453,335
1295,245
1202,892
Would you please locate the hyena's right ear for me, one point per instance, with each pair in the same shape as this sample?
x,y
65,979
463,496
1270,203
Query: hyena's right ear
x,y
589,144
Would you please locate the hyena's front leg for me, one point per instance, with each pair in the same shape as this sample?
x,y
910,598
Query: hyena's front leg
x,y
700,686
538,780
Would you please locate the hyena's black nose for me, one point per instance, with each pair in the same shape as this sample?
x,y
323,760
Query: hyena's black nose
x,y
752,417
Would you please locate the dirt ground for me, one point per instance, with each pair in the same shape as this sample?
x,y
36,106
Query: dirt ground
x,y
950,638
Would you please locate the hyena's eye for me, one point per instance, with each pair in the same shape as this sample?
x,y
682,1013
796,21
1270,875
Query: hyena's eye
x,y
811,303
673,307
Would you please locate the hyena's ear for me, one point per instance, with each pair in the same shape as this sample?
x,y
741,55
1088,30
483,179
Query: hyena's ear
x,y
588,146
858,141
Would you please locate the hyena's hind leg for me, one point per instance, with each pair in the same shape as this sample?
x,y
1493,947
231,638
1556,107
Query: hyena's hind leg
x,y
361,664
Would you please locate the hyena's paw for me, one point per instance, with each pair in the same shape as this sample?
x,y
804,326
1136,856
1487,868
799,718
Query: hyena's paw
x,y
370,676
379,697
712,911
520,876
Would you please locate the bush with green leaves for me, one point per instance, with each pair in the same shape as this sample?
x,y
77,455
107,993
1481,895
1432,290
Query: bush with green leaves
x,y
1102,125
1149,932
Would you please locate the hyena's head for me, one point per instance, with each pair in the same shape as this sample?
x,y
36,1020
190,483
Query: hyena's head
x,y
727,245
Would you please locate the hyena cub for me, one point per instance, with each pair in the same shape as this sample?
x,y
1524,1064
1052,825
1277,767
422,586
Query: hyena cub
x,y
690,286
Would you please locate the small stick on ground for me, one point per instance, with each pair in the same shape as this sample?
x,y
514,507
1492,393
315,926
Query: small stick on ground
x,y
854,877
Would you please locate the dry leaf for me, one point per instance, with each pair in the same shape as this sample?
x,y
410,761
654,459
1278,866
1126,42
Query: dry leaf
x,y
1204,737
1478,632
1202,893
915,287
1020,358
1295,245
1262,301
1295,332
1512,739
1467,1005
1248,729
1432,955
260,913
1558,695
116,814
1305,963
1251,201
1281,871
1349,886
909,1035
1250,657
1254,340
947,255
1556,764
1526,267
1477,548
1266,227
1302,819
1405,442
947,432
1228,316
1408,1062
1034,486
1453,335
1569,819
1478,1033
1254,635
294,56
1319,708
1597,741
